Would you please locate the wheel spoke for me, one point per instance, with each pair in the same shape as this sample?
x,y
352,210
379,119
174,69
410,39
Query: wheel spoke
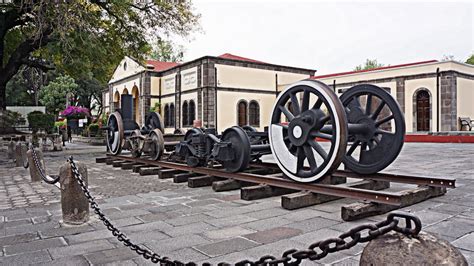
x,y
363,147
321,135
368,106
353,147
317,104
305,104
383,132
310,155
384,120
324,119
300,159
355,102
295,104
371,145
318,149
378,110
287,113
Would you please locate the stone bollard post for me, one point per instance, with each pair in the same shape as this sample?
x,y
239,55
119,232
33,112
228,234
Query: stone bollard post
x,y
398,249
20,152
74,204
34,171
11,149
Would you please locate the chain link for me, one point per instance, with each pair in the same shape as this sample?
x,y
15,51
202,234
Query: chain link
x,y
316,251
50,179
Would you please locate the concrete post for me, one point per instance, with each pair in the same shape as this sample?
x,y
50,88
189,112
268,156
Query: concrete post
x,y
34,171
398,249
74,204
11,149
20,152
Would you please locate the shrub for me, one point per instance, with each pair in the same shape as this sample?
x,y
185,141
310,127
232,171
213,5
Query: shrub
x,y
39,121
9,119
93,128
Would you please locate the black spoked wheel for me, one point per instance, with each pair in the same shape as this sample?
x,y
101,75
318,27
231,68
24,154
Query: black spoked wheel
x,y
154,121
115,133
157,145
241,148
376,128
308,131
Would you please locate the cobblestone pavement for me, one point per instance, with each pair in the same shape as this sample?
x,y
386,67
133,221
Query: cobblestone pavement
x,y
201,225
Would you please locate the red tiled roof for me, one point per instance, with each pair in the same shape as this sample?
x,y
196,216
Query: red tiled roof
x,y
373,69
161,66
240,58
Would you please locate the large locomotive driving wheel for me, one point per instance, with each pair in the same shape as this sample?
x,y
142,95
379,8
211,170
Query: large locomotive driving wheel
x,y
315,134
376,128
115,133
155,146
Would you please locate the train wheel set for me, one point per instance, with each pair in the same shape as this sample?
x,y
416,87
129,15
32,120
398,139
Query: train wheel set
x,y
311,132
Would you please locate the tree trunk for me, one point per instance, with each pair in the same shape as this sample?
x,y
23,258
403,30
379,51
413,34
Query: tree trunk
x,y
3,96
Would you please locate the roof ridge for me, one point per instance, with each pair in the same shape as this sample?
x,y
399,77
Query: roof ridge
x,y
374,69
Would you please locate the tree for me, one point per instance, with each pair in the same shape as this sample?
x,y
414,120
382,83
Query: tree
x,y
470,60
166,51
55,95
78,36
369,64
89,94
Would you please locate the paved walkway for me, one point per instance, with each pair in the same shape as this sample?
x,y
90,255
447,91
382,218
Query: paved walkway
x,y
201,225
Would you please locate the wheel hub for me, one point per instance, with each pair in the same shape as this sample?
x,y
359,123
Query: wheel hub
x,y
300,128
370,128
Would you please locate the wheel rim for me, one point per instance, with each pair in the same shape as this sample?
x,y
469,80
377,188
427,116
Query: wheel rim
x,y
154,121
299,141
115,133
373,151
157,146
241,147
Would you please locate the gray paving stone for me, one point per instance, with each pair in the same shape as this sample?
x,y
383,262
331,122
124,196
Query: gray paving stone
x,y
147,236
16,239
176,243
469,255
302,214
161,216
272,235
263,214
80,249
231,221
313,224
228,232
88,236
317,235
265,224
158,225
127,214
428,217
188,219
31,228
226,246
17,223
67,261
186,255
115,255
27,258
194,228
65,230
203,202
466,242
453,227
34,246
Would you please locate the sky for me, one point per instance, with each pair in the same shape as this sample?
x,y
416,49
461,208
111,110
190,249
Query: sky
x,y
332,36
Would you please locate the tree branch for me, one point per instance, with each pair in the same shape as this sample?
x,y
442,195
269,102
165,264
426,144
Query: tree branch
x,y
37,63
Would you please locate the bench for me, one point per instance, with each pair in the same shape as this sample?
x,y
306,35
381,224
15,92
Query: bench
x,y
466,121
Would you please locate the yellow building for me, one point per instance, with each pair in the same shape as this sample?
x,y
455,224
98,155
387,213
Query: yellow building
x,y
220,91
230,90
433,95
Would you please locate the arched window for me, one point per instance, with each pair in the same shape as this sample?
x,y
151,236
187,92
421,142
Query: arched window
x,y
254,114
242,113
192,112
167,115
185,114
172,115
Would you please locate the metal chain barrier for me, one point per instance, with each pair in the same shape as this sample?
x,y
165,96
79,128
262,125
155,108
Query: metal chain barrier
x,y
316,251
50,179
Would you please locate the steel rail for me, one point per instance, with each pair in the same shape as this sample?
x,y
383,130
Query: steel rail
x,y
389,198
405,179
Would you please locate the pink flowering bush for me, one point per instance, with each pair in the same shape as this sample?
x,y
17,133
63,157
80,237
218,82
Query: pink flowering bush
x,y
75,112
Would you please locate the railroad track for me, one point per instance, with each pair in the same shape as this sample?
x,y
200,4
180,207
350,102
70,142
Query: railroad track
x,y
262,180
